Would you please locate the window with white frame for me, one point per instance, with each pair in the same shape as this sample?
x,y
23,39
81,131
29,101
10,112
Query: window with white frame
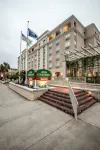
x,y
57,42
50,58
58,55
50,45
50,65
44,42
57,48
67,44
50,51
67,36
57,64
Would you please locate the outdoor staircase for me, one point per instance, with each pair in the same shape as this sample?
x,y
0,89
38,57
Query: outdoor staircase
x,y
62,101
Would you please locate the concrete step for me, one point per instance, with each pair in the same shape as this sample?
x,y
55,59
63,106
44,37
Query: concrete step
x,y
62,100
59,94
83,101
62,103
86,105
63,108
80,94
66,100
83,97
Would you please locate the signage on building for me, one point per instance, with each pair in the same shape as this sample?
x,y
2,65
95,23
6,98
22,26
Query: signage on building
x,y
31,75
43,75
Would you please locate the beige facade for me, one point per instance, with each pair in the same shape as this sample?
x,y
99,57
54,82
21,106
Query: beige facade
x,y
68,36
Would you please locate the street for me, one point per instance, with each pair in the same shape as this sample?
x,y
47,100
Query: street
x,y
34,125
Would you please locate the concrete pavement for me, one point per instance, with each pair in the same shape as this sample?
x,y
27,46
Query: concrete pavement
x,y
34,125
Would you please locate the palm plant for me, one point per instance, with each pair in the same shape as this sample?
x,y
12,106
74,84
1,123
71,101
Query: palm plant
x,y
4,68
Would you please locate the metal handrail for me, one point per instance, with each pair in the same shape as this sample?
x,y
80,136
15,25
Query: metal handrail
x,y
73,99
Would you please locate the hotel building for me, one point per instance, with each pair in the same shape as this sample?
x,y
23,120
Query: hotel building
x,y
48,51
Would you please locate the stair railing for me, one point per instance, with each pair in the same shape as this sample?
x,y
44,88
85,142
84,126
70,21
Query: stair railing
x,y
72,98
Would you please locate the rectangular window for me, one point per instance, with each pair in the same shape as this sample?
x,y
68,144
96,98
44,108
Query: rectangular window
x,y
50,45
57,42
67,44
57,48
50,37
50,51
57,56
50,65
57,63
74,24
44,42
67,27
50,58
39,45
67,36
58,32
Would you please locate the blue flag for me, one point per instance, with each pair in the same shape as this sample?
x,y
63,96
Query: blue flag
x,y
32,34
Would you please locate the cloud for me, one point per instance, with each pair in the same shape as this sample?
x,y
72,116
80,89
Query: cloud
x,y
43,15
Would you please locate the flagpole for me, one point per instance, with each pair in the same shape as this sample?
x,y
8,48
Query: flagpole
x,y
20,56
26,53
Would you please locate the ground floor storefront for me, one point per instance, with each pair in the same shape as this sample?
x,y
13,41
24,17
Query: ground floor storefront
x,y
85,69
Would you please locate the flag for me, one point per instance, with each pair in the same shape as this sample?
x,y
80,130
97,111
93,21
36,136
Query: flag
x,y
24,38
29,42
32,34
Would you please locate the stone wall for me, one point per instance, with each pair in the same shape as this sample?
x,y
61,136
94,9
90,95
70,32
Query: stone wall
x,y
28,93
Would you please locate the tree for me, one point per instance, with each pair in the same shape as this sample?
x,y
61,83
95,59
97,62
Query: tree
x,y
4,68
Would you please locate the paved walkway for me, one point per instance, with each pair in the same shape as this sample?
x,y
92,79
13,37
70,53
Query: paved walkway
x,y
34,125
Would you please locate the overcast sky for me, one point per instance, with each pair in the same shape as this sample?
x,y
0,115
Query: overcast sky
x,y
43,15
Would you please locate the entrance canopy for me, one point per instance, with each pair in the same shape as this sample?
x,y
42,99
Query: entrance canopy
x,y
84,52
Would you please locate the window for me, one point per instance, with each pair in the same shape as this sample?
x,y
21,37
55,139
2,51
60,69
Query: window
x,y
32,49
50,37
44,42
67,27
32,64
58,32
50,65
57,63
57,42
57,48
50,58
50,51
43,66
67,36
57,56
74,24
67,44
39,44
50,45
